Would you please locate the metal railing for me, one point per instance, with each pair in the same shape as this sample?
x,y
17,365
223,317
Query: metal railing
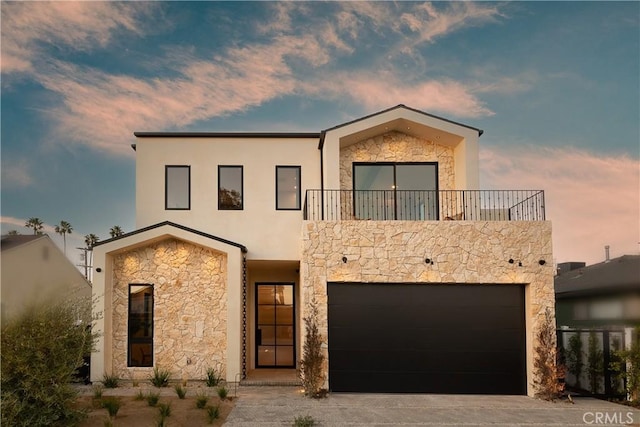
x,y
424,205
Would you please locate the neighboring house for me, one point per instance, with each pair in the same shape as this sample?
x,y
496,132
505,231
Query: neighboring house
x,y
423,282
35,270
603,295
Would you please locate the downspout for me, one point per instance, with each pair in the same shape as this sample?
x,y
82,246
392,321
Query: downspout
x,y
321,148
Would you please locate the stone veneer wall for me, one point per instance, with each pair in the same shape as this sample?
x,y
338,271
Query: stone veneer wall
x,y
395,251
190,308
397,147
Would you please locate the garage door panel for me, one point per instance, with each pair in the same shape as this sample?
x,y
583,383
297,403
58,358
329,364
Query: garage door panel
x,y
463,340
420,382
428,332
439,317
427,361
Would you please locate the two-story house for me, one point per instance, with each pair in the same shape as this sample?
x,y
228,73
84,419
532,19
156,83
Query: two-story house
x,y
424,282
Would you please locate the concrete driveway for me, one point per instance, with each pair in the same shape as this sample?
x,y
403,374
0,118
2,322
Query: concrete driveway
x,y
278,406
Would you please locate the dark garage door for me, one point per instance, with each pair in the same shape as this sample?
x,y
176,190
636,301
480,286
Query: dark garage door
x,y
424,338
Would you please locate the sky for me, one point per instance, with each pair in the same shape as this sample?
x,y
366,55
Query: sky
x,y
554,85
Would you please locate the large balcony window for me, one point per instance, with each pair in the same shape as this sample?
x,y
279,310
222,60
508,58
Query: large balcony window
x,y
400,191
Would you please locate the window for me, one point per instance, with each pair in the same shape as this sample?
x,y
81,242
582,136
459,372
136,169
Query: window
x,y
140,336
288,187
230,188
403,191
177,187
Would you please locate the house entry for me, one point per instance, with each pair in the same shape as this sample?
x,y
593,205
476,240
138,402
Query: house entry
x,y
275,325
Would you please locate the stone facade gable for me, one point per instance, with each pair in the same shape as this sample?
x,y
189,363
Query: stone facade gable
x,y
190,307
397,147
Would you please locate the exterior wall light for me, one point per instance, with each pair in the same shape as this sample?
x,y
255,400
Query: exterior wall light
x,y
98,270
344,259
542,262
428,261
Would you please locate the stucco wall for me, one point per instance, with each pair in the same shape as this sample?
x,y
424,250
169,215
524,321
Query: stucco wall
x,y
397,147
462,252
190,307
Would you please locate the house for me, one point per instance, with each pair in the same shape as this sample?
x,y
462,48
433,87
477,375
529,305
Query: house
x,y
35,270
602,295
423,282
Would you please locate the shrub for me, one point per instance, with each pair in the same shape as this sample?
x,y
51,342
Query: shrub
x,y
574,357
548,372
213,413
595,363
312,360
213,377
201,401
304,421
41,350
97,391
222,392
139,396
181,392
112,405
632,358
160,377
110,381
152,399
164,409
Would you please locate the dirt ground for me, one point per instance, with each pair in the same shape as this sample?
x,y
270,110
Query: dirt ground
x,y
134,413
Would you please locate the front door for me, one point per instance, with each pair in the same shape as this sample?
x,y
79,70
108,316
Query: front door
x,y
275,325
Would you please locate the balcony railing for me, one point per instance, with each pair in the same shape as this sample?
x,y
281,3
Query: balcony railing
x,y
414,205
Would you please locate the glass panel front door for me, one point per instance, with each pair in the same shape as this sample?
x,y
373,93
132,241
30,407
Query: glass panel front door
x,y
275,325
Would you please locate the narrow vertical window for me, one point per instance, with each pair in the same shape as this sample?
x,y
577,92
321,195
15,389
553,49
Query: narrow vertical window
x,y
230,188
140,336
177,187
288,187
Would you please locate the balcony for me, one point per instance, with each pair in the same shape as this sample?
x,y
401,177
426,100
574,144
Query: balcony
x,y
419,205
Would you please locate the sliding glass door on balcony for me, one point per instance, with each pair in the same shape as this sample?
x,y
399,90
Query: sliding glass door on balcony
x,y
395,191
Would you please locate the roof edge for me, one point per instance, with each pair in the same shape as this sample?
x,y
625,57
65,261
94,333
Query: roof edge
x,y
227,134
181,227
480,131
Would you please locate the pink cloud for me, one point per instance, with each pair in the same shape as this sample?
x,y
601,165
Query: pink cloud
x,y
74,25
16,174
592,199
384,89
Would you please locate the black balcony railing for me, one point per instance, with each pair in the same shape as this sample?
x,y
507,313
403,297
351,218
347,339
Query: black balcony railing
x,y
420,205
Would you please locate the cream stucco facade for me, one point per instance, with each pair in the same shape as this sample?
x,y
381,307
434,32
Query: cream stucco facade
x,y
207,265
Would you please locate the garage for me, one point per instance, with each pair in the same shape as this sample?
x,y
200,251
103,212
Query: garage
x,y
426,338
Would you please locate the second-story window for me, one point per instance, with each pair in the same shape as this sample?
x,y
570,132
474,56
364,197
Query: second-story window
x,y
230,188
177,187
288,187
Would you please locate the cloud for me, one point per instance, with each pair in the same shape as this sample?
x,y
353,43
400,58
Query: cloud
x,y
592,199
431,22
29,26
16,174
380,90
102,110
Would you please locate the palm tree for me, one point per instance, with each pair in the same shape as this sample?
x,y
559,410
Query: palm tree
x,y
90,240
36,224
63,229
116,231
